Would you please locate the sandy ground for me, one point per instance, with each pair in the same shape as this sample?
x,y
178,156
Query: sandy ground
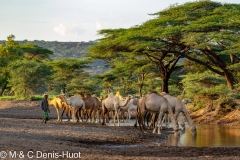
x,y
22,132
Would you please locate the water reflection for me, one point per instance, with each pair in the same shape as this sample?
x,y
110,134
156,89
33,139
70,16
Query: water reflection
x,y
207,135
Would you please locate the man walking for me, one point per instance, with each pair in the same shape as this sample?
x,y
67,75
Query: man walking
x,y
45,108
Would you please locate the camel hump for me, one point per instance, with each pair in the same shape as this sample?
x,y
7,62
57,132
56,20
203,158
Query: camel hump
x,y
60,97
155,92
164,93
94,95
87,95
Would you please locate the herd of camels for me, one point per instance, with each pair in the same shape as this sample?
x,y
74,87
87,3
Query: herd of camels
x,y
152,107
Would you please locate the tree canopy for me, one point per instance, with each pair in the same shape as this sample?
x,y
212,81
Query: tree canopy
x,y
203,32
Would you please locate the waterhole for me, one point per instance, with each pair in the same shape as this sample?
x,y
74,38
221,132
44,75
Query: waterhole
x,y
207,136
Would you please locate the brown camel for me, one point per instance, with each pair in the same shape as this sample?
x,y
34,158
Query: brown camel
x,y
98,104
59,102
155,103
90,107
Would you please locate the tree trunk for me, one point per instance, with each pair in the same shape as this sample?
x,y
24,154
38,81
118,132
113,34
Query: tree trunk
x,y
165,78
140,91
165,84
3,88
230,79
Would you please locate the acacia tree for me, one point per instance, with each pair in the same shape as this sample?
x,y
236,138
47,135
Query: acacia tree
x,y
67,69
133,73
13,51
28,76
32,51
134,43
8,53
204,32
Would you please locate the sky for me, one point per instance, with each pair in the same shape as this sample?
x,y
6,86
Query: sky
x,y
75,20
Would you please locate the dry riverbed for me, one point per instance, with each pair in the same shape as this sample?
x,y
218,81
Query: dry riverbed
x,y
22,130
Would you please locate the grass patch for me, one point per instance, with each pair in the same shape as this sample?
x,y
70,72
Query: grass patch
x,y
32,98
7,98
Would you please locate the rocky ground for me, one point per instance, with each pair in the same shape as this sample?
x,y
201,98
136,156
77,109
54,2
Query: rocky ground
x,y
22,130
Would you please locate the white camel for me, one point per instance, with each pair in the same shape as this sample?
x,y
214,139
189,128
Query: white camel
x,y
179,107
77,105
113,103
131,106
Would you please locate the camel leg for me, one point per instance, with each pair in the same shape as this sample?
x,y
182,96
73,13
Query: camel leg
x,y
81,114
118,113
164,120
103,116
98,114
174,122
141,121
147,117
159,120
180,119
93,115
168,121
176,116
114,117
129,113
86,116
107,117
122,116
135,125
69,113
153,121
78,114
73,115
57,109
63,113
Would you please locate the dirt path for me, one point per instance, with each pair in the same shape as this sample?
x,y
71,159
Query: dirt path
x,y
21,129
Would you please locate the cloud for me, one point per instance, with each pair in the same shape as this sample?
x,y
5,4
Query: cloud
x,y
98,26
60,29
72,30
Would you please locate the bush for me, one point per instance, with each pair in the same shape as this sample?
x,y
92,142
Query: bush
x,y
7,98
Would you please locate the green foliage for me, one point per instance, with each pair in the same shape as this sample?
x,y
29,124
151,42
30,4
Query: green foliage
x,y
65,70
198,106
141,58
205,88
28,76
7,98
35,52
62,49
202,83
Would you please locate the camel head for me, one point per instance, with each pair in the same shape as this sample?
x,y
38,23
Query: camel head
x,y
185,101
193,130
129,97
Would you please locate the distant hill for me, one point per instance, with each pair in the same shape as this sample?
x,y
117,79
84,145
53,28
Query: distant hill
x,y
62,49
68,50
